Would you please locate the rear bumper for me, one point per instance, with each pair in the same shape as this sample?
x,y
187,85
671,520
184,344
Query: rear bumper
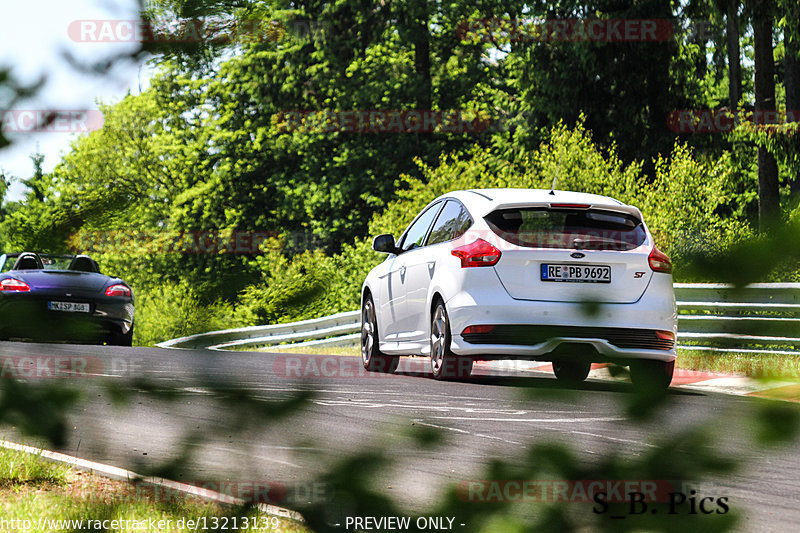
x,y
530,329
624,345
27,316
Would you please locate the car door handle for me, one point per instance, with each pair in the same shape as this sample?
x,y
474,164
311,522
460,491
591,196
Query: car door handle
x,y
431,268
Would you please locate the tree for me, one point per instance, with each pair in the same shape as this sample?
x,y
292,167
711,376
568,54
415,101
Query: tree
x,y
37,183
313,177
791,80
4,183
768,190
626,89
734,54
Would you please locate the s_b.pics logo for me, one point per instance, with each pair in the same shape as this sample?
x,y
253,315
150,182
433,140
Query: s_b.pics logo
x,y
690,502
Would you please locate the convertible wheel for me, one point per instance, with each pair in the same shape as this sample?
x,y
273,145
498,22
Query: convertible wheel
x,y
373,359
648,374
571,372
444,363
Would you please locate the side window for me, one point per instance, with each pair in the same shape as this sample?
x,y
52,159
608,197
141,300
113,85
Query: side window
x,y
416,232
445,226
463,224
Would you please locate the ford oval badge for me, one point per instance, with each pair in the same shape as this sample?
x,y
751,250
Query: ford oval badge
x,y
577,255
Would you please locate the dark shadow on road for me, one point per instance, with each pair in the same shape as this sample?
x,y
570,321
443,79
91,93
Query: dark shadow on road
x,y
545,383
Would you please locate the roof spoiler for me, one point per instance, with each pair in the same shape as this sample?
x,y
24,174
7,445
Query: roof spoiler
x,y
621,208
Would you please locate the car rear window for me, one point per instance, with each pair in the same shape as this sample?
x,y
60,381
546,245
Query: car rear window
x,y
589,229
55,262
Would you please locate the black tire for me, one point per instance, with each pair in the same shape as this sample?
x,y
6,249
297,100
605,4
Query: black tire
x,y
571,372
121,339
374,360
648,374
444,363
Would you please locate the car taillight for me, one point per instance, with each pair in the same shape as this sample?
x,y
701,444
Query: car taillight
x,y
477,254
477,329
14,285
665,335
570,206
118,290
659,261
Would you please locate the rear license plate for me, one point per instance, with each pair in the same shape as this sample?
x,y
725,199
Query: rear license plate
x,y
576,273
70,307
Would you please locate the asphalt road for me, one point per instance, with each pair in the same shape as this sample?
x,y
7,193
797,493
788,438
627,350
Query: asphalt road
x,y
482,419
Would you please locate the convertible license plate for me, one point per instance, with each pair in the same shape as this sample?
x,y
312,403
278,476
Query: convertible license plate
x,y
70,307
576,273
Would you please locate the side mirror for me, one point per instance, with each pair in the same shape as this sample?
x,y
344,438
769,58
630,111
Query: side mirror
x,y
384,244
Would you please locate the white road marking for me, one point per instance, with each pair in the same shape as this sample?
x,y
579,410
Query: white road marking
x,y
236,451
195,390
367,392
614,438
278,447
438,408
463,431
555,420
285,463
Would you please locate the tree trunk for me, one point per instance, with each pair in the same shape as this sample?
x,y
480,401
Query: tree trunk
x,y
422,54
768,192
792,82
734,57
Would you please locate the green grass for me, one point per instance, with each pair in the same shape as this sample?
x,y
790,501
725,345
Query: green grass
x,y
312,350
20,468
775,366
37,491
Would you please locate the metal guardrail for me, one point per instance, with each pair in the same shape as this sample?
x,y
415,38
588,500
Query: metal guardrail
x,y
758,318
755,319
333,326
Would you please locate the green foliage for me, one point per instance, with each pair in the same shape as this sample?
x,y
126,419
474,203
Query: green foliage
x,y
293,290
779,135
626,90
777,424
174,310
37,410
695,206
309,285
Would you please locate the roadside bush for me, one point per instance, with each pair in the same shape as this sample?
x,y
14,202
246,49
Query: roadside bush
x,y
292,289
175,310
693,206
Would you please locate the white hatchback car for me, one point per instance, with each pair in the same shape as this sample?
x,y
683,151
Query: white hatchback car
x,y
567,277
